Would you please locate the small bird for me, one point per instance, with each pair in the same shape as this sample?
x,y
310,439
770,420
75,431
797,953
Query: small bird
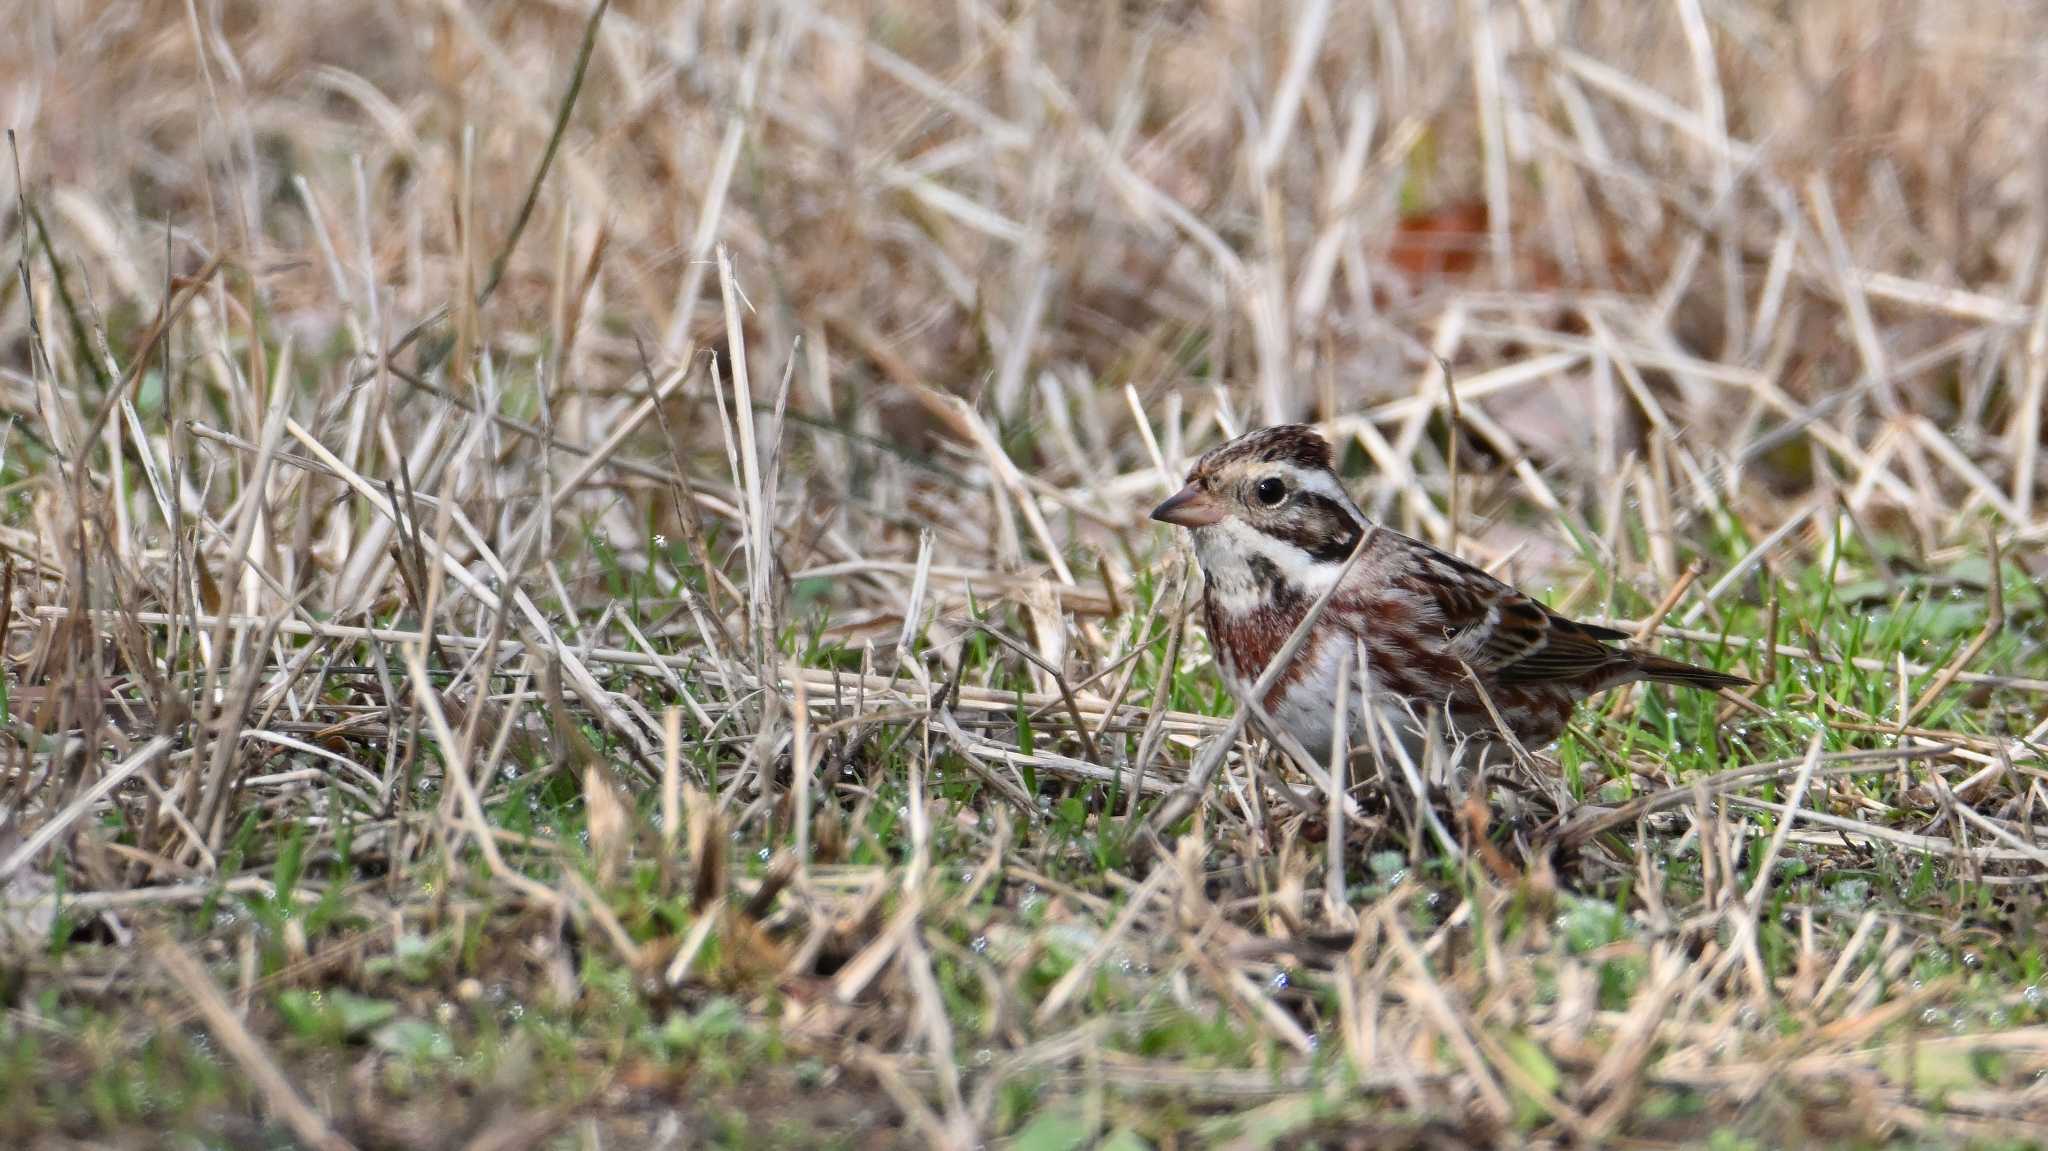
x,y
1273,528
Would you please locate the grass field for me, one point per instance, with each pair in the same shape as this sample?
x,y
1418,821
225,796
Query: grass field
x,y
578,578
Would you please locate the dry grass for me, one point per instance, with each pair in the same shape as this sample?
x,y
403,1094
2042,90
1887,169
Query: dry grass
x,y
579,578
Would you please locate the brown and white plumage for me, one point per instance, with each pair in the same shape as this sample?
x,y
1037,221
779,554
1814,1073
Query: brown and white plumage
x,y
1273,528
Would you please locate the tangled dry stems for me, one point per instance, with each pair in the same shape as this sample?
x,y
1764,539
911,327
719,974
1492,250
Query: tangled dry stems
x,y
789,380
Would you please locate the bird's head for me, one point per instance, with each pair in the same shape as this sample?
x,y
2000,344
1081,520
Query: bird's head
x,y
1270,492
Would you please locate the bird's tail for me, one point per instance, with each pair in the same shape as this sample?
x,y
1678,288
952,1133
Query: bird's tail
x,y
1658,669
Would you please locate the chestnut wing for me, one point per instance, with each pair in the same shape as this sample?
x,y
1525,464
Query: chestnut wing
x,y
1503,632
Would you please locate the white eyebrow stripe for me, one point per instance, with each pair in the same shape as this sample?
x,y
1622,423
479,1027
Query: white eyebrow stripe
x,y
1321,483
1325,484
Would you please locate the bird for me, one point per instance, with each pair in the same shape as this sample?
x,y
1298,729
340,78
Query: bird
x,y
1273,529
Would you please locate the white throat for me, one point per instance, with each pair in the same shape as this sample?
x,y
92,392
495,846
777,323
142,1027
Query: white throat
x,y
1242,562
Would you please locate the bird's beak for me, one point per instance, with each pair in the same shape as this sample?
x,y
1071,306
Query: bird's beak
x,y
1190,507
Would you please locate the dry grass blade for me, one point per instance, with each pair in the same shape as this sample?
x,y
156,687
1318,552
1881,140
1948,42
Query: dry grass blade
x,y
1994,623
602,454
1600,822
1056,999
759,609
1449,1024
248,1052
49,831
1784,830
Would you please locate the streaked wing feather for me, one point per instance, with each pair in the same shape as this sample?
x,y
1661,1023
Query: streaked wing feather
x,y
1500,630
1603,633
1568,652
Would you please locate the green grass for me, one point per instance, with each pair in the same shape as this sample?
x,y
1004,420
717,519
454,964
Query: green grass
x,y
443,1007
413,1007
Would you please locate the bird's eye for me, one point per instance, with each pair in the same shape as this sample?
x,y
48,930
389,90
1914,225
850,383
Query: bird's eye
x,y
1270,491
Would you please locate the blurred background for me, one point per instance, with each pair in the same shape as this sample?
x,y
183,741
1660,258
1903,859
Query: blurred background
x,y
1695,251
